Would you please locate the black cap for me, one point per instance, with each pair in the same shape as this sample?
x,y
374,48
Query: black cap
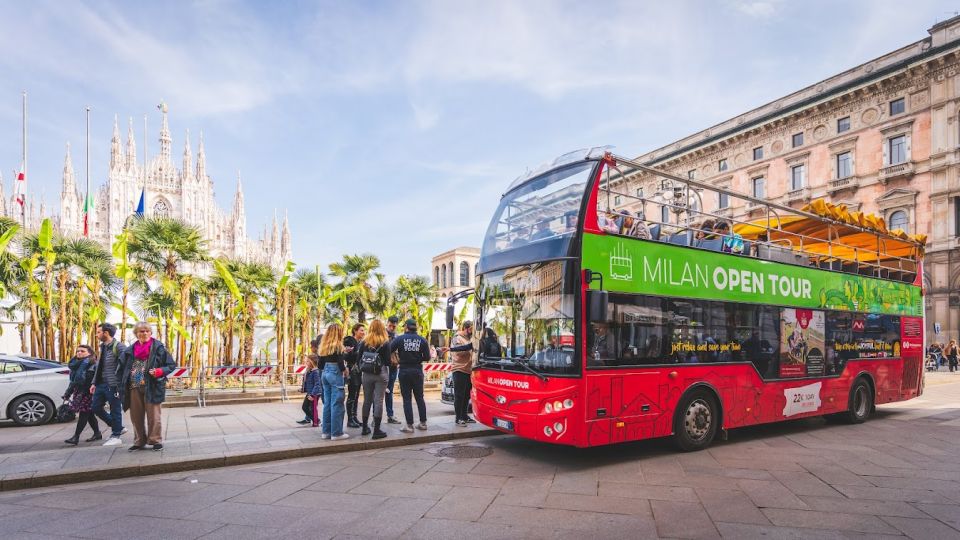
x,y
410,323
393,319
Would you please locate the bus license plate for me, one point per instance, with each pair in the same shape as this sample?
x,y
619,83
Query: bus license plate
x,y
503,424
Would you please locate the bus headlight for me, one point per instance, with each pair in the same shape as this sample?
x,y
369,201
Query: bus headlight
x,y
557,406
548,431
558,427
548,408
567,403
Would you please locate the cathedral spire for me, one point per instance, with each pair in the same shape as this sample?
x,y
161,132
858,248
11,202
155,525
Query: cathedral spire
x,y
115,156
165,139
131,146
69,183
3,202
285,238
187,157
201,160
238,209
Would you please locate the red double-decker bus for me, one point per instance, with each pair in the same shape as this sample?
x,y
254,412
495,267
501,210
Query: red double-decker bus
x,y
628,305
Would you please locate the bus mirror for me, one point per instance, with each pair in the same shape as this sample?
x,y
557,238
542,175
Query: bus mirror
x,y
597,302
450,316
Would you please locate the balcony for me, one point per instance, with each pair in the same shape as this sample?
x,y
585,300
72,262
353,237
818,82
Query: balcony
x,y
892,172
797,195
840,184
751,206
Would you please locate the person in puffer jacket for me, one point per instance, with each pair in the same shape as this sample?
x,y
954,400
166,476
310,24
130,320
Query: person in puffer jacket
x,y
311,386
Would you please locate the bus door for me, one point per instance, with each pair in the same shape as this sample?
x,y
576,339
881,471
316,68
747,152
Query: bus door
x,y
622,405
911,351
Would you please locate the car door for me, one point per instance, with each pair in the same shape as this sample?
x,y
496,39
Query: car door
x,y
12,376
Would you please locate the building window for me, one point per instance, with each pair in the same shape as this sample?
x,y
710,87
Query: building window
x,y
760,187
722,165
639,192
956,216
444,276
900,220
897,106
464,274
161,210
616,199
843,124
797,139
897,149
450,269
692,174
436,276
798,177
724,200
665,214
758,153
844,165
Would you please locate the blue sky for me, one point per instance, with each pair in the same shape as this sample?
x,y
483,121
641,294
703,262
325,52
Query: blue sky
x,y
393,127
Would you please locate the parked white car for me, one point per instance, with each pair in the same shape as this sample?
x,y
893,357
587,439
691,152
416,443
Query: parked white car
x,y
30,388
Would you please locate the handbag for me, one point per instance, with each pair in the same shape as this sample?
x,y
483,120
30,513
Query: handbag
x,y
64,414
370,363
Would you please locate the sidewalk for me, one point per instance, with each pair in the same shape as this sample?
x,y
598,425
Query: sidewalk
x,y
196,438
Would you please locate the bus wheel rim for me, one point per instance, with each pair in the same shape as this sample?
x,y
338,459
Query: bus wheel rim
x,y
698,419
860,402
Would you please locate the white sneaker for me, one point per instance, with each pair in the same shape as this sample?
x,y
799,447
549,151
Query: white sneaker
x,y
406,429
123,431
422,426
113,441
340,437
325,436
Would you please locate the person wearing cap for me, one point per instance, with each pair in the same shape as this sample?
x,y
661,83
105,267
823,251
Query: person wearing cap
x,y
412,350
463,348
392,322
637,227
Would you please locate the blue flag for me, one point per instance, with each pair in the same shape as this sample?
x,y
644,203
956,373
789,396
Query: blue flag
x,y
139,211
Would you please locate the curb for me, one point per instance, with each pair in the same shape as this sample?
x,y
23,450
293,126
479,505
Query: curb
x,y
30,480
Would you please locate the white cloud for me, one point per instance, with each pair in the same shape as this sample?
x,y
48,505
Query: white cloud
x,y
757,9
425,116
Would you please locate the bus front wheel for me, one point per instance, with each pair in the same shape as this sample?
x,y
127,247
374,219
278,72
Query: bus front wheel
x,y
696,421
861,403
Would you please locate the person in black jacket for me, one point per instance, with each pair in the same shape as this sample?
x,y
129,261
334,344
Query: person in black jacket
x,y
82,370
106,382
354,379
412,351
145,366
373,354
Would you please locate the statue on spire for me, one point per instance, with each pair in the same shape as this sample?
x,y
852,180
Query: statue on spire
x,y
187,157
165,139
201,160
131,153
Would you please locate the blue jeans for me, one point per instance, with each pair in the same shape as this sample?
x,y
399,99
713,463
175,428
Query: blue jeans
x,y
388,396
411,382
103,395
332,382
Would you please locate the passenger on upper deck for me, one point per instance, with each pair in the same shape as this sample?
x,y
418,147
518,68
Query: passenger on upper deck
x,y
608,222
732,242
635,227
704,231
541,231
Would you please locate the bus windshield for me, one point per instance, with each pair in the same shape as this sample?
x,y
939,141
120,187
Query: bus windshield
x,y
540,214
530,308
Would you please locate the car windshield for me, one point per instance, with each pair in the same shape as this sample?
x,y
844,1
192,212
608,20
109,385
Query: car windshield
x,y
541,213
529,313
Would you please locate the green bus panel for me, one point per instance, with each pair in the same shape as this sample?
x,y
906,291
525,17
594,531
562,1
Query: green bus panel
x,y
645,267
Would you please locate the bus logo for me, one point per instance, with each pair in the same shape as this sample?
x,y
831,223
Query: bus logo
x,y
501,400
621,264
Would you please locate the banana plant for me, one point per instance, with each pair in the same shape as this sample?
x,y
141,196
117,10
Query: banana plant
x,y
125,271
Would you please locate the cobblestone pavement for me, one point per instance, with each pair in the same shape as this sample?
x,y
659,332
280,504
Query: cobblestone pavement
x,y
895,476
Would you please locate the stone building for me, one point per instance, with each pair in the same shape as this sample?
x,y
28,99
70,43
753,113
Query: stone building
x,y
455,270
882,137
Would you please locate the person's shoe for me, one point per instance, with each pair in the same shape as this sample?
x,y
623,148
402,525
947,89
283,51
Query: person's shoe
x,y
73,440
392,420
135,447
304,422
113,441
316,425
422,426
365,430
353,423
407,429
340,437
469,420
157,447
325,436
123,431
95,437
377,432
461,422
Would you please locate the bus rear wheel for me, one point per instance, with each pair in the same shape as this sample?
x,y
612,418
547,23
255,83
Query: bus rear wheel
x,y
861,403
696,421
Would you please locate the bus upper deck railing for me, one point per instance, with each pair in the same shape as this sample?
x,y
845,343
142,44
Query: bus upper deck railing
x,y
682,198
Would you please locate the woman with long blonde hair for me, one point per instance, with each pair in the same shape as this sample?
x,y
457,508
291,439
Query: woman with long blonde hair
x,y
373,355
333,371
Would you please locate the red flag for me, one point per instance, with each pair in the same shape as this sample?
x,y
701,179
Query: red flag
x,y
20,187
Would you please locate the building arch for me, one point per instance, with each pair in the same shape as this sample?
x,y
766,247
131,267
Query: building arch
x,y
436,276
444,279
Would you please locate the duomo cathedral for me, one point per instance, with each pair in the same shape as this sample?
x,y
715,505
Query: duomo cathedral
x,y
184,192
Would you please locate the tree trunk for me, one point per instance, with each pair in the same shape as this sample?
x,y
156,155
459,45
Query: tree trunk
x,y
185,285
123,310
49,347
62,318
228,344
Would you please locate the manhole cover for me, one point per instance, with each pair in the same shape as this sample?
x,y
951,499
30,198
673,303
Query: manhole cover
x,y
465,452
209,415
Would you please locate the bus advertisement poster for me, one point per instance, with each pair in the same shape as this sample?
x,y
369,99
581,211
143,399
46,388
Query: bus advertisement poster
x,y
802,340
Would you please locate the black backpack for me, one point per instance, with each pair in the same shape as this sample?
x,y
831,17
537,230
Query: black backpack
x,y
492,349
370,362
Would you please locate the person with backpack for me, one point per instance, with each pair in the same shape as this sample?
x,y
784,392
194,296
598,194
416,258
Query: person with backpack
x,y
391,327
490,344
354,379
462,366
82,369
311,387
412,351
333,375
373,356
952,354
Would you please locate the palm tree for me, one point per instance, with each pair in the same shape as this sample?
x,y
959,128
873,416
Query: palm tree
x,y
355,272
250,284
75,259
418,297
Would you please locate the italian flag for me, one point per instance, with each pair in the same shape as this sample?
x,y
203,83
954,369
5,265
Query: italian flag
x,y
87,209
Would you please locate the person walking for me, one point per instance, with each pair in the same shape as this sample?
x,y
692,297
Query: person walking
x,y
392,322
311,387
354,379
952,354
461,364
332,377
82,369
412,350
106,382
145,365
374,358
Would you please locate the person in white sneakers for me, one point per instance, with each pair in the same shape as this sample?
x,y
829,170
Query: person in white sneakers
x,y
333,372
106,382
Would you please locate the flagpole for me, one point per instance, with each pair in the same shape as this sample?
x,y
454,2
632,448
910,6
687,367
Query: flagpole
x,y
86,200
23,207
